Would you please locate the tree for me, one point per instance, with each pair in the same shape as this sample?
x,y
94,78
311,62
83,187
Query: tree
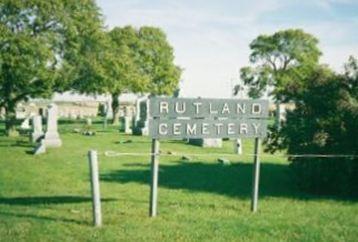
x,y
132,60
139,61
324,121
44,46
157,61
127,74
280,62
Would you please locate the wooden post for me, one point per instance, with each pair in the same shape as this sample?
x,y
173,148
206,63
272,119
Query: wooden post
x,y
96,197
255,176
154,181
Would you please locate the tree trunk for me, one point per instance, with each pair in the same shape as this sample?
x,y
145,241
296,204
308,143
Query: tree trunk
x,y
115,108
10,120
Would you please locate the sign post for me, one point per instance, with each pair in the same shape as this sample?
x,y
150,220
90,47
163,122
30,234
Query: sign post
x,y
255,176
189,118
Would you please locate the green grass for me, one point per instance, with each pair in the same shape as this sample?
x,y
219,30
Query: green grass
x,y
47,197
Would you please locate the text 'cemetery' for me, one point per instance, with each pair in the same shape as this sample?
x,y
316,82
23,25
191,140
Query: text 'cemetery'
x,y
177,118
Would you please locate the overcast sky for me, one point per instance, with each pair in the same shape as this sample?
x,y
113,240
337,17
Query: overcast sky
x,y
211,38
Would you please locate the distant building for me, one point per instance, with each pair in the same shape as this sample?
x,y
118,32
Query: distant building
x,y
74,105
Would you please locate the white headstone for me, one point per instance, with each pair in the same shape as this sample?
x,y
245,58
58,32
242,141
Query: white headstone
x,y
52,138
127,124
89,122
282,111
237,146
108,109
207,142
37,131
26,123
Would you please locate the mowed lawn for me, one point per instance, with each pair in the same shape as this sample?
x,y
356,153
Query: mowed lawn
x,y
47,197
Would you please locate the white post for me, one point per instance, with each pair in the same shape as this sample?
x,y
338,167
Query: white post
x,y
154,181
96,197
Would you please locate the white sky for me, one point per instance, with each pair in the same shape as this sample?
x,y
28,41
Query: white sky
x,y
211,38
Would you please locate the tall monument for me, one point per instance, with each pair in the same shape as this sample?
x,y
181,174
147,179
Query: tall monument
x,y
52,138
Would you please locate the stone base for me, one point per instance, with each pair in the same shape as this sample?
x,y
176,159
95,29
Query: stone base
x,y
52,140
207,143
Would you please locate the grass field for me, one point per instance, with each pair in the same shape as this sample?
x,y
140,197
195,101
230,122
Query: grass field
x,y
47,197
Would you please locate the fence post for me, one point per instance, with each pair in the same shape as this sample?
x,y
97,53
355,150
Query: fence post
x,y
96,197
154,178
255,176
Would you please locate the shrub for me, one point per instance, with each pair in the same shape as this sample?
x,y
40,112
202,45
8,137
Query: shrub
x,y
324,121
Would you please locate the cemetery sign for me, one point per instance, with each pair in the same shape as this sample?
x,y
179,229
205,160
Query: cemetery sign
x,y
183,118
178,118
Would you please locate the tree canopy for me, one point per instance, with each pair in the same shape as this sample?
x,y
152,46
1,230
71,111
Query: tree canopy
x,y
49,46
44,46
280,61
136,60
157,61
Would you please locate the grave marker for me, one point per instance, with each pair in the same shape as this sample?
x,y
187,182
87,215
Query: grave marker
x,y
52,138
37,131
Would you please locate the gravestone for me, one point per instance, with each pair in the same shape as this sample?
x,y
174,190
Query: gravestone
x,y
52,138
127,121
109,110
282,112
142,117
37,131
127,125
89,122
224,161
207,142
26,123
238,146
